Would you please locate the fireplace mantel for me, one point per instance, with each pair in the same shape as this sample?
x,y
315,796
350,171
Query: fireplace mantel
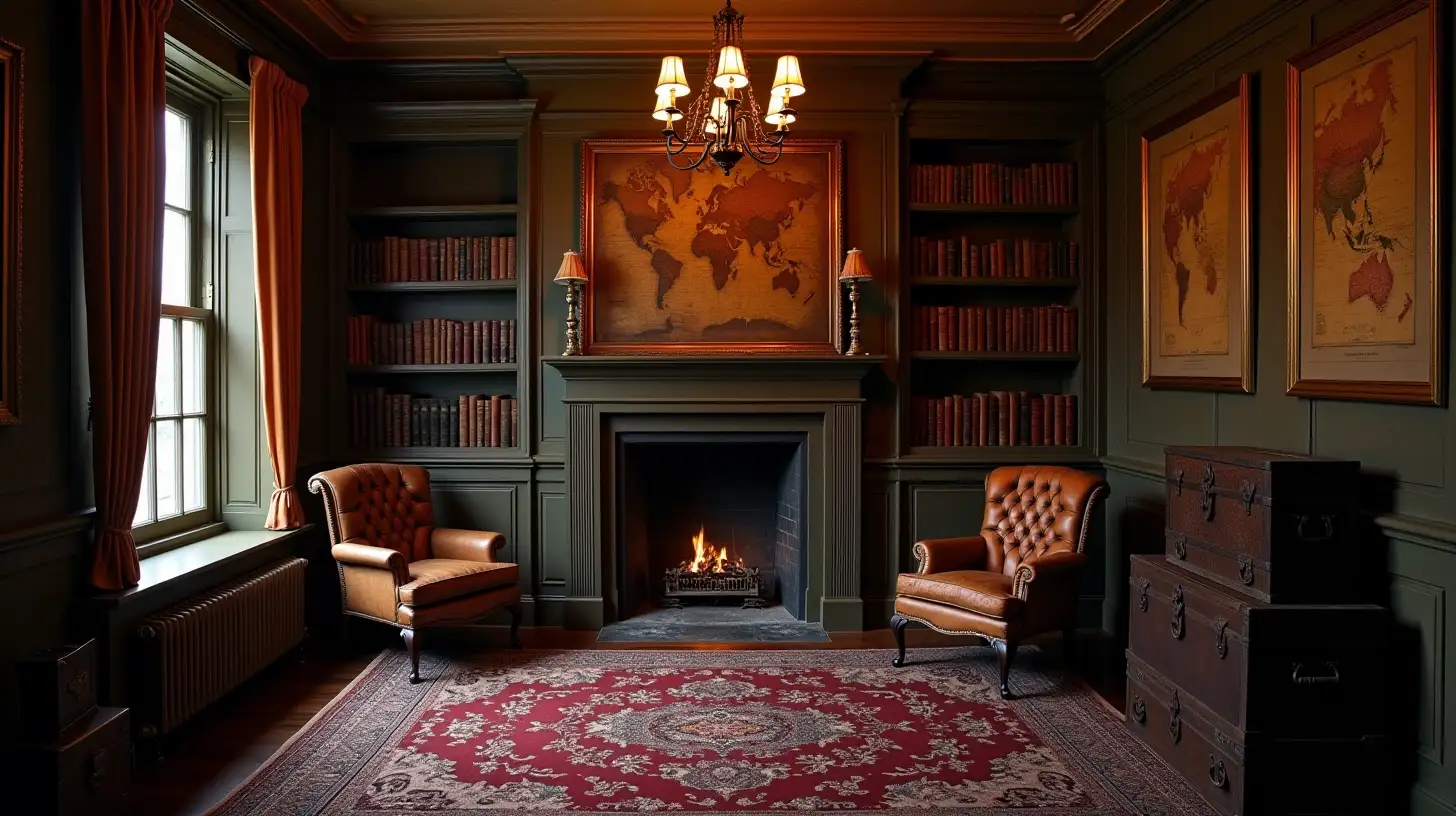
x,y
819,396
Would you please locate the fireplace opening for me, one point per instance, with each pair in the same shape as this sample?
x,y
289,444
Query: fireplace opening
x,y
711,522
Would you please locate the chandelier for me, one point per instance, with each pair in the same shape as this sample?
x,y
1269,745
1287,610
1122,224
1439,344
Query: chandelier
x,y
725,116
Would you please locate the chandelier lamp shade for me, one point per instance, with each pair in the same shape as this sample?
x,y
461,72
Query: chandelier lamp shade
x,y
724,122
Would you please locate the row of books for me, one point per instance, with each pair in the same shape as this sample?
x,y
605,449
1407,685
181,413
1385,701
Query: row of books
x,y
466,258
431,341
381,419
1001,258
1048,183
995,418
1049,329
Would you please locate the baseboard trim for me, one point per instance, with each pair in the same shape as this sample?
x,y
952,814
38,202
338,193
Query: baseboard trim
x,y
583,613
842,614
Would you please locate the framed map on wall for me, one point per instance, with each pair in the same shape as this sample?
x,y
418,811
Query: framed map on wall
x,y
696,262
1365,289
1196,266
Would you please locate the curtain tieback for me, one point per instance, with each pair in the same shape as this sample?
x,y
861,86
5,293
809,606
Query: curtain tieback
x,y
283,489
111,528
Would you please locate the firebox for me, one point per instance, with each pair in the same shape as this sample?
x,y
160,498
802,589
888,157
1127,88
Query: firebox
x,y
711,518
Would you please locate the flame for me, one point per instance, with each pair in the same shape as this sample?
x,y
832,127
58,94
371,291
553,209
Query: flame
x,y
706,558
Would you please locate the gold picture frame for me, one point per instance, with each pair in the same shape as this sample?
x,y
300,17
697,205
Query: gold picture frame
x,y
12,165
1366,300
621,306
1197,263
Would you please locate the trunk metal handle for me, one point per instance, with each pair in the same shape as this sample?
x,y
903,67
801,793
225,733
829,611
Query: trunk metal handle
x,y
1220,637
1178,620
1139,710
1217,773
1325,521
1331,675
1180,546
1175,722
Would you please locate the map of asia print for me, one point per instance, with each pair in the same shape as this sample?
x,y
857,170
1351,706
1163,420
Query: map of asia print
x,y
693,261
1366,290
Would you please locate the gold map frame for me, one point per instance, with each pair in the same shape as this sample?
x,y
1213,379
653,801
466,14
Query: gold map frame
x,y
826,341
1232,370
1392,371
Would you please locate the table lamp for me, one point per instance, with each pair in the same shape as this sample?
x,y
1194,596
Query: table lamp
x,y
855,270
571,275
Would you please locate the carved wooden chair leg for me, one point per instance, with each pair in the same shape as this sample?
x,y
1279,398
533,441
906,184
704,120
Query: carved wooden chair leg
x,y
515,610
898,623
1005,653
413,647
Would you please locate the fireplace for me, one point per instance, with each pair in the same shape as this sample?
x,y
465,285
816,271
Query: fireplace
x,y
799,417
710,518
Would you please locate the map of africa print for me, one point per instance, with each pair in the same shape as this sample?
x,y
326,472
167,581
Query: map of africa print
x,y
697,258
1364,202
1195,241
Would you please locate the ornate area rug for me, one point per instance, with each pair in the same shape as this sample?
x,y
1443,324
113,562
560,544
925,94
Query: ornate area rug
x,y
738,732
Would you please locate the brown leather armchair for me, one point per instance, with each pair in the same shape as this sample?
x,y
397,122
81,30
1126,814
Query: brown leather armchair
x,y
397,567
1019,577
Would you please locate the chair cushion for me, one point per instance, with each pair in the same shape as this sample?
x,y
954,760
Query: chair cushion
x,y
987,593
433,580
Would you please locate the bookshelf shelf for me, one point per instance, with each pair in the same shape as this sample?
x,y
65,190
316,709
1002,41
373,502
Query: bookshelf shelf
x,y
426,453
998,209
997,454
997,283
438,286
995,356
439,211
463,368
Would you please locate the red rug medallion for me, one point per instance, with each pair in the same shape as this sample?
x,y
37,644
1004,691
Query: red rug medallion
x,y
719,732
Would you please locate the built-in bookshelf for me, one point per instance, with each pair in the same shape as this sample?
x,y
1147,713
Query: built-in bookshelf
x,y
994,271
433,250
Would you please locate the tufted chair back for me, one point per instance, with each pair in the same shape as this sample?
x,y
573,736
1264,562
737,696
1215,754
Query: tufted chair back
x,y
380,505
1036,511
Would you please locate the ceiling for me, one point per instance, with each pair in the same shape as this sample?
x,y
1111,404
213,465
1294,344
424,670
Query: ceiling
x,y
470,29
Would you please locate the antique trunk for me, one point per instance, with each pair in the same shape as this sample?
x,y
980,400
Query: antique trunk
x,y
1274,526
56,688
86,770
1249,774
1284,670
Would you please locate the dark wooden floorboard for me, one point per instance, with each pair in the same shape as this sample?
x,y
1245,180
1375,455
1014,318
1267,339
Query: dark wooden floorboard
x,y
210,756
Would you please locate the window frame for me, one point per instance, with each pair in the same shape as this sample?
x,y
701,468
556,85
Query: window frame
x,y
202,112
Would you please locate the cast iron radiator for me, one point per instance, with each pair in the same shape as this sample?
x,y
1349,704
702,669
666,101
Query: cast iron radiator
x,y
192,653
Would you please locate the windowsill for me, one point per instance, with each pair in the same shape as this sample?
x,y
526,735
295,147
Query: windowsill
x,y
191,561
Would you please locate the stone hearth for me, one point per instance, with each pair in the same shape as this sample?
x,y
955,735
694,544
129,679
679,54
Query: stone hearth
x,y
611,400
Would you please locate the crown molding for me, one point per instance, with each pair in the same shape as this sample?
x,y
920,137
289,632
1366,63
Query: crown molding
x,y
337,35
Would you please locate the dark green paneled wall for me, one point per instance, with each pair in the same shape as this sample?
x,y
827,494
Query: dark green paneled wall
x,y
1407,451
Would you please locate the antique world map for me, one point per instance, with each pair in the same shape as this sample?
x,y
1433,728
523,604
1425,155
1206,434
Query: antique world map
x,y
697,257
1363,279
1195,240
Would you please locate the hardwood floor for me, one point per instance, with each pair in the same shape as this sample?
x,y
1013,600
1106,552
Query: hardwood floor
x,y
209,757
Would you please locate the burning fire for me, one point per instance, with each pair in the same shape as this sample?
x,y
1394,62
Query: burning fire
x,y
706,559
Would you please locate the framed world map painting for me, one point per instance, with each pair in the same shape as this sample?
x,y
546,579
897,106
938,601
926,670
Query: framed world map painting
x,y
1365,289
1196,265
696,262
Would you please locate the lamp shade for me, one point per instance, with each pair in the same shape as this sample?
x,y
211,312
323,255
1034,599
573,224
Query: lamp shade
x,y
661,112
671,78
716,115
777,114
855,267
731,71
788,78
571,270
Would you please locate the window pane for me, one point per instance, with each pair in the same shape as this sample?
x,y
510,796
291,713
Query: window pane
x,y
144,504
179,148
169,499
194,367
176,259
194,465
167,368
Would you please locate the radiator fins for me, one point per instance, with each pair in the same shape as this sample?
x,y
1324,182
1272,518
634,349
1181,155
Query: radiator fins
x,y
195,651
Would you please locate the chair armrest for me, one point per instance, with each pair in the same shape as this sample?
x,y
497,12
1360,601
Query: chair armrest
x,y
465,545
949,554
1050,569
367,555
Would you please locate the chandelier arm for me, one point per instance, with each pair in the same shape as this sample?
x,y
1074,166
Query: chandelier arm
x,y
682,144
695,165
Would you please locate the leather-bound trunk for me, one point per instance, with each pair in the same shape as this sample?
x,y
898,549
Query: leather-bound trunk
x,y
1283,670
1246,773
1274,526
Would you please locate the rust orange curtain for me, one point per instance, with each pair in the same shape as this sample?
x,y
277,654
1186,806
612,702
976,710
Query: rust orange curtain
x,y
123,98
275,125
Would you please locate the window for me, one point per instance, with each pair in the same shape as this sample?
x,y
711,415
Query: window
x,y
177,487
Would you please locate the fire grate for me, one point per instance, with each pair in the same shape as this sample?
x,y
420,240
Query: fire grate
x,y
727,581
